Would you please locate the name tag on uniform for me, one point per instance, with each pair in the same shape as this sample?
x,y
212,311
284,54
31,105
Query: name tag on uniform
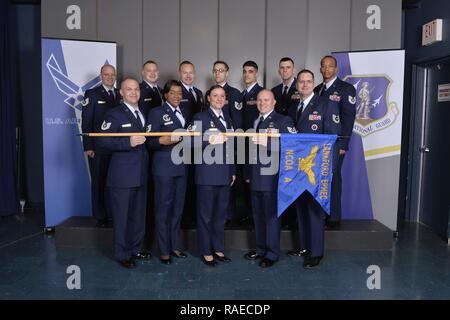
x,y
101,102
167,123
126,125
251,102
295,96
184,100
213,129
147,99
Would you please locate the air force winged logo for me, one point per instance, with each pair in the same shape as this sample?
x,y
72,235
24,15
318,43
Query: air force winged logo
x,y
306,165
73,91
374,111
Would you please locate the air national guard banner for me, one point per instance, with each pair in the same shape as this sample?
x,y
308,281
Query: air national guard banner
x,y
69,68
306,165
378,79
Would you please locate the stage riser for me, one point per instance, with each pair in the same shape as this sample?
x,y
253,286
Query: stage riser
x,y
353,235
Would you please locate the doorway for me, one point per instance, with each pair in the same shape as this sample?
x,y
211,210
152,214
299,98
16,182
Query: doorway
x,y
429,174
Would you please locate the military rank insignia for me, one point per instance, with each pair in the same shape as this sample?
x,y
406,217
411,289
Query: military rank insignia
x,y
85,102
106,125
191,127
291,130
351,99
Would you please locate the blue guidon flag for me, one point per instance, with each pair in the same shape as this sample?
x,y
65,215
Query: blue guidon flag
x,y
306,165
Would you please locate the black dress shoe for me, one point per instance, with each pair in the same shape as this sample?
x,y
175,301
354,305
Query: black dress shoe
x,y
165,261
127,263
102,223
180,254
142,256
332,225
266,263
223,258
252,255
311,262
298,253
211,263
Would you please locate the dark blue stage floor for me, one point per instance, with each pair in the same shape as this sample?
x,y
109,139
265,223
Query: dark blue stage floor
x,y
31,267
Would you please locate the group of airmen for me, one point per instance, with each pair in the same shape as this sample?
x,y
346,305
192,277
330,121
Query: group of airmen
x,y
134,175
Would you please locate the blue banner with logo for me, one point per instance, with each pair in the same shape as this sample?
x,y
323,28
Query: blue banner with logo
x,y
306,165
377,77
69,68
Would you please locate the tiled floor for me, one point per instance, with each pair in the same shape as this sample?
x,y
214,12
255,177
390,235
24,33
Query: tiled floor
x,y
31,267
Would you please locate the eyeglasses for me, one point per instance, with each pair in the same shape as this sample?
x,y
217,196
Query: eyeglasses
x,y
219,70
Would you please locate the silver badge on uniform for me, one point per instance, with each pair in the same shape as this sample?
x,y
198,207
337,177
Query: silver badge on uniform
x,y
211,123
314,127
149,128
238,105
336,118
166,117
106,125
85,102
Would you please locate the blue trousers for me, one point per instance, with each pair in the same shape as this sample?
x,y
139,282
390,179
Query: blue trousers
x,y
212,206
311,224
169,198
267,224
128,207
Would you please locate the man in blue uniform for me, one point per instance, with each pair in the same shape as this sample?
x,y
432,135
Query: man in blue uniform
x,y
96,102
318,115
287,97
252,88
250,112
192,99
151,93
264,185
344,94
233,102
127,175
286,93
151,97
193,103
169,178
214,177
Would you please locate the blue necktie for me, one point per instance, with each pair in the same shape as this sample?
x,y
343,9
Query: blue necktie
x,y
192,92
139,118
261,120
299,111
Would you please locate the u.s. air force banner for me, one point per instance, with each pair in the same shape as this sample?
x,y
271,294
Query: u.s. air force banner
x,y
370,171
306,165
69,68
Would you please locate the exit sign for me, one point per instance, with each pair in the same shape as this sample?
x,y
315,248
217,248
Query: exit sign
x,y
432,32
